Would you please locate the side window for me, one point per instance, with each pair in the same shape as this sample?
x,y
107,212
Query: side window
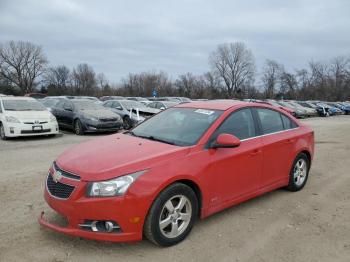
x,y
160,105
271,121
288,123
240,123
0,107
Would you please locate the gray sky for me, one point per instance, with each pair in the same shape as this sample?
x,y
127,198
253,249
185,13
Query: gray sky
x,y
118,37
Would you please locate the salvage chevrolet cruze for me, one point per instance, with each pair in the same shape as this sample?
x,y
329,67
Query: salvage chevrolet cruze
x,y
189,161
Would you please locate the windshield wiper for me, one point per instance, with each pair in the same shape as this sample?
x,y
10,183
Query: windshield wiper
x,y
152,138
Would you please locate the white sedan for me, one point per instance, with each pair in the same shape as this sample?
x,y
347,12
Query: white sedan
x,y
25,116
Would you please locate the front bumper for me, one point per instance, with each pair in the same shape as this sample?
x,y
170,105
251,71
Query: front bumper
x,y
22,129
122,237
94,126
127,212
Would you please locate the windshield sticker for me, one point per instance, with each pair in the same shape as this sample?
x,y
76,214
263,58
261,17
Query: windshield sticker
x,y
205,112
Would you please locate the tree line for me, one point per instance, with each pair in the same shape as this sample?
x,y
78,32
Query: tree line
x,y
24,68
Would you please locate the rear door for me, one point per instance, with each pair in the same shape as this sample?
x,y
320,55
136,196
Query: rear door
x,y
278,142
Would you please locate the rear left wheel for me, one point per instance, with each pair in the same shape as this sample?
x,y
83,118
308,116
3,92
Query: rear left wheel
x,y
172,215
299,173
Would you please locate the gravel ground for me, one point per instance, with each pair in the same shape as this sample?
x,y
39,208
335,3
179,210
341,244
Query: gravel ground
x,y
310,225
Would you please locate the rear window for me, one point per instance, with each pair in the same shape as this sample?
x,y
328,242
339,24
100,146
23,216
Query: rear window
x,y
288,123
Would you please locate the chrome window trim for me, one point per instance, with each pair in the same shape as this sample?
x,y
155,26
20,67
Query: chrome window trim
x,y
269,134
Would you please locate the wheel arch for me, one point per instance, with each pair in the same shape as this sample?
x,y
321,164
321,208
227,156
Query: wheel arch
x,y
308,155
188,182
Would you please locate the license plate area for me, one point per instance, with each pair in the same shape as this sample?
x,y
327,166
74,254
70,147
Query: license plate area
x,y
37,128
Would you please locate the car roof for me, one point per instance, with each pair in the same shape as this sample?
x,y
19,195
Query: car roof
x,y
216,104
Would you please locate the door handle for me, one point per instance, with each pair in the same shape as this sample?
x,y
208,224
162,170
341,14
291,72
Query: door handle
x,y
288,141
255,152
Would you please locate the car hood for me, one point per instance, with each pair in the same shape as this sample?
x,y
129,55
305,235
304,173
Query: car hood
x,y
116,155
101,113
25,115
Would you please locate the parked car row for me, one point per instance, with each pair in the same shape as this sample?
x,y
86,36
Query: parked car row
x,y
23,116
302,109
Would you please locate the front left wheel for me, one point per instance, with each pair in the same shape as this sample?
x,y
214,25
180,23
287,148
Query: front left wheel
x,y
2,132
78,128
172,215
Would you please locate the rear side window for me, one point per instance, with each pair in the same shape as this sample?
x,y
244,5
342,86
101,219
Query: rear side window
x,y
288,123
240,124
271,121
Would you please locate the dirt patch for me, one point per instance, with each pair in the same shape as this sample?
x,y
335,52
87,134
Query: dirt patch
x,y
311,225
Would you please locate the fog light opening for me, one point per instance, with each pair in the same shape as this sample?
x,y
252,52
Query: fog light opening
x,y
100,226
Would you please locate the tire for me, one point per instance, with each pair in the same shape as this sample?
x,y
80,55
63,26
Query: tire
x,y
168,199
2,132
127,123
78,128
299,173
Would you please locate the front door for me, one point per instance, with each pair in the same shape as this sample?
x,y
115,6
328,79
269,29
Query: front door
x,y
235,172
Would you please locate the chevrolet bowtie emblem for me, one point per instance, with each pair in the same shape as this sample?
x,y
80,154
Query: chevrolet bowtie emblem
x,y
57,176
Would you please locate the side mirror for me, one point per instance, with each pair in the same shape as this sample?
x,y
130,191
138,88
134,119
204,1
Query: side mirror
x,y
162,108
68,109
119,108
226,141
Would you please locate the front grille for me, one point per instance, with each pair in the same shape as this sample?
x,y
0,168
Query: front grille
x,y
65,173
35,131
32,123
58,189
108,119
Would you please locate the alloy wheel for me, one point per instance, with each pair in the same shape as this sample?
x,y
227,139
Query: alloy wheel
x,y
300,172
175,216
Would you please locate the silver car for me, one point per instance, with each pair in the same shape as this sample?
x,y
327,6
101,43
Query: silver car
x,y
132,112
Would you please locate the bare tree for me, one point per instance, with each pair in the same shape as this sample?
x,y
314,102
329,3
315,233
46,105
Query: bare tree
x,y
187,84
289,85
57,79
271,74
235,65
22,63
143,84
84,80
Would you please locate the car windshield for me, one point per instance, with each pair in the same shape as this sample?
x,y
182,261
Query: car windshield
x,y
129,104
87,105
49,102
23,105
177,126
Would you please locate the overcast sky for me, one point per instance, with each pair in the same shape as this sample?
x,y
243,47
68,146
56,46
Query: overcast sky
x,y
176,36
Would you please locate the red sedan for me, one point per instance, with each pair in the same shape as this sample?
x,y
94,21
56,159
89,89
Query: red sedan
x,y
190,161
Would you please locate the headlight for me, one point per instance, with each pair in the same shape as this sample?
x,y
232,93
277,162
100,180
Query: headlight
x,y
114,187
12,119
53,118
